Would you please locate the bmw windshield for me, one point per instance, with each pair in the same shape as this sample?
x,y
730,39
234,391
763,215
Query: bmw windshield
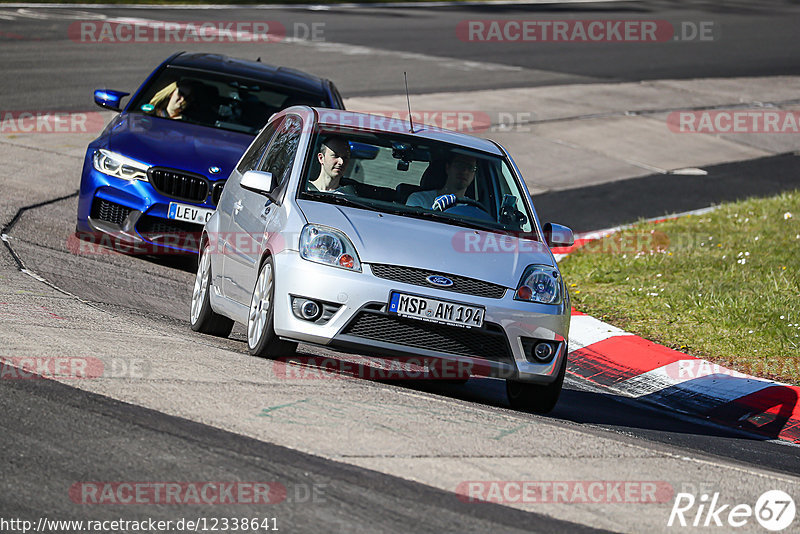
x,y
216,99
415,177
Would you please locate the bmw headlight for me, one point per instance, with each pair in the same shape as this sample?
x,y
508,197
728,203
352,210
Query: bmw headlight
x,y
119,166
329,246
541,284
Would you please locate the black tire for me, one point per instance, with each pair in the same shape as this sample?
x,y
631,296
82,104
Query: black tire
x,y
202,318
261,338
536,398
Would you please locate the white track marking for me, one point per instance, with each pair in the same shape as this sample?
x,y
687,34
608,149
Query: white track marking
x,y
585,330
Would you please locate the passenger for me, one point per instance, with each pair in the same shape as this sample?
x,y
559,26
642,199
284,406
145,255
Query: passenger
x,y
460,172
172,100
333,157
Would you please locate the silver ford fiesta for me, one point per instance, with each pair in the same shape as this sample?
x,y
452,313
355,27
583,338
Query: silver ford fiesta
x,y
377,236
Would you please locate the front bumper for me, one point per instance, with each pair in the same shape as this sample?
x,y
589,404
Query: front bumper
x,y
357,321
144,226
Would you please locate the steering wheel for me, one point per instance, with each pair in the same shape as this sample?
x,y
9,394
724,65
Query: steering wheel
x,y
469,208
468,202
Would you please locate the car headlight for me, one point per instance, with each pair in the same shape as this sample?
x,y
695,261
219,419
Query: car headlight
x,y
119,166
541,284
329,246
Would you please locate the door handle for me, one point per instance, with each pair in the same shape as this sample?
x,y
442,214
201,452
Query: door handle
x,y
237,207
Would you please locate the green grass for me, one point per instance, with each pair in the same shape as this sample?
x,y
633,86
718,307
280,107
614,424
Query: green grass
x,y
724,286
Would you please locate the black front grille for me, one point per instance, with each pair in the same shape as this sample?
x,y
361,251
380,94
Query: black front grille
x,y
488,343
104,210
156,225
180,234
216,192
417,277
178,184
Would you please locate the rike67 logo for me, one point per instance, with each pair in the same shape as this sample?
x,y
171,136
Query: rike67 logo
x,y
774,510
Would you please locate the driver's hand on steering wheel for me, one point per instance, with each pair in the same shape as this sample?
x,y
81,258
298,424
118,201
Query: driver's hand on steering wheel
x,y
443,202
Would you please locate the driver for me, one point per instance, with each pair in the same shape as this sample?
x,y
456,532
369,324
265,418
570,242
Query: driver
x,y
171,101
460,170
333,157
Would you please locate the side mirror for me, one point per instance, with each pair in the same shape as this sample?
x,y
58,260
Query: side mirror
x,y
106,98
556,235
258,182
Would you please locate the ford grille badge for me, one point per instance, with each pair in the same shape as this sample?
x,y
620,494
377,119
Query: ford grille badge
x,y
441,281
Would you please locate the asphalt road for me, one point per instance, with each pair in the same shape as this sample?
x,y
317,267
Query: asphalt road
x,y
78,434
160,289
49,427
46,69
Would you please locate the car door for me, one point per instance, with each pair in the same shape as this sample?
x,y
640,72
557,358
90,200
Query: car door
x,y
230,202
250,221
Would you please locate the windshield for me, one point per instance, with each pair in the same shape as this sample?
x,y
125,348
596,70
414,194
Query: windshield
x,y
409,176
217,100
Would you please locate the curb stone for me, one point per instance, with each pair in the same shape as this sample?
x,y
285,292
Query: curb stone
x,y
635,367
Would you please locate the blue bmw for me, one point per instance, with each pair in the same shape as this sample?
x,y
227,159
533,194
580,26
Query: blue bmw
x,y
154,176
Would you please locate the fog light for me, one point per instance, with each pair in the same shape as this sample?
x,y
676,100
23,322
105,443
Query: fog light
x,y
543,351
310,310
306,309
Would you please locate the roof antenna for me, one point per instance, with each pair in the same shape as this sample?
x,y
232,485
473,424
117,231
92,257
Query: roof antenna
x,y
258,60
408,100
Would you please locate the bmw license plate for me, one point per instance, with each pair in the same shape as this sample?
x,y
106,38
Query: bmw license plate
x,y
188,213
436,311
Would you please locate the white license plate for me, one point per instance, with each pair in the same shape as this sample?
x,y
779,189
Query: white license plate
x,y
435,310
188,213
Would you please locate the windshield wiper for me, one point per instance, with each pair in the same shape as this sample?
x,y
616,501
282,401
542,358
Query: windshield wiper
x,y
477,225
341,199
353,201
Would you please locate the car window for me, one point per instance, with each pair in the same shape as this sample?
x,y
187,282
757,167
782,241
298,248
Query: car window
x,y
282,150
219,100
381,170
257,149
417,177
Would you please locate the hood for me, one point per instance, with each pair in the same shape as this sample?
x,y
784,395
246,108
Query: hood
x,y
398,240
176,144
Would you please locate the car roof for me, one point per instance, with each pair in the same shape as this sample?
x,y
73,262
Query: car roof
x,y
379,123
251,69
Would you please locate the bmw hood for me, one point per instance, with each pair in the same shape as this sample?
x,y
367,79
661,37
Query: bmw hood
x,y
176,144
398,240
